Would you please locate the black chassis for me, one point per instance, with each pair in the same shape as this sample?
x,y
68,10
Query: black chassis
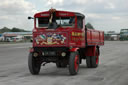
x,y
52,54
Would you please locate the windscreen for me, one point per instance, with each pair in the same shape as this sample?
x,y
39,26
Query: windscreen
x,y
63,22
42,22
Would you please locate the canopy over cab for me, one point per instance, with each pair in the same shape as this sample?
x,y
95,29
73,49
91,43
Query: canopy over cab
x,y
53,19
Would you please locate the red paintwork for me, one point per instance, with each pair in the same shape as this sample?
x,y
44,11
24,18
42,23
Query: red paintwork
x,y
90,50
58,13
97,58
31,50
76,62
75,37
95,37
74,49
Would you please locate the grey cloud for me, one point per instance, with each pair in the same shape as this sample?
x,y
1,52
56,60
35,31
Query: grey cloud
x,y
94,6
13,13
15,7
101,13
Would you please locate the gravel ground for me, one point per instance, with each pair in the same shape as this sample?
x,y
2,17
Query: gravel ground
x,y
112,70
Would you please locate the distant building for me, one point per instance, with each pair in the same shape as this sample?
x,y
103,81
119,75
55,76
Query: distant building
x,y
17,36
112,35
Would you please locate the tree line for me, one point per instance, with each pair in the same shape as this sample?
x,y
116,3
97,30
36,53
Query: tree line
x,y
89,26
14,29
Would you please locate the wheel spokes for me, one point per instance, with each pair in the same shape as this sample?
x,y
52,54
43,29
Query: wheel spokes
x,y
76,62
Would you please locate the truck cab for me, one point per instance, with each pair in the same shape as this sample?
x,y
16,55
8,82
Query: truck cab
x,y
59,29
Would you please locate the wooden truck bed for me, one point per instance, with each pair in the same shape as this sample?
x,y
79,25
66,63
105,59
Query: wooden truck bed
x,y
95,37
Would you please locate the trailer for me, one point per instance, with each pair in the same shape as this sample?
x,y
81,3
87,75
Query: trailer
x,y
61,37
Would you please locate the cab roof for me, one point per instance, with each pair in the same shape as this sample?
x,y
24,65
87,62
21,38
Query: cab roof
x,y
59,13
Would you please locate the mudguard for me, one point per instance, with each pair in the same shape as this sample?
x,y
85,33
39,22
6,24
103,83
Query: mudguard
x,y
90,51
73,49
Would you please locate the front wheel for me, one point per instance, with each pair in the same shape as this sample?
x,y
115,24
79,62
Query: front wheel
x,y
74,63
33,64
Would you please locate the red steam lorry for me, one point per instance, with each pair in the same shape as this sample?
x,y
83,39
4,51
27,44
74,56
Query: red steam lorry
x,y
61,37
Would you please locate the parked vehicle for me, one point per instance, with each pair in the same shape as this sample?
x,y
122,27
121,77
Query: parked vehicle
x,y
8,39
61,37
18,38
123,34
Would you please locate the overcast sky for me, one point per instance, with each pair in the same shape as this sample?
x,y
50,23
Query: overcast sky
x,y
107,15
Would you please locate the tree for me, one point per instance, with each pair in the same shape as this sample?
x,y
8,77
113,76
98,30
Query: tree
x,y
14,29
5,29
89,26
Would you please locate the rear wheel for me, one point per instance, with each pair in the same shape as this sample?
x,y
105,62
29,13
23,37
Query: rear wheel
x,y
33,64
93,61
74,63
88,61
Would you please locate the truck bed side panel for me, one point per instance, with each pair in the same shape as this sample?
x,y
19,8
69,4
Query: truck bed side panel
x,y
95,37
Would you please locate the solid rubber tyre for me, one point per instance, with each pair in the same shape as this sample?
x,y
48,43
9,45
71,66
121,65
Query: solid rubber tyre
x,y
88,61
93,61
34,66
74,63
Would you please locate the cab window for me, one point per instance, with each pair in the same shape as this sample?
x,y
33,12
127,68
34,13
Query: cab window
x,y
79,22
